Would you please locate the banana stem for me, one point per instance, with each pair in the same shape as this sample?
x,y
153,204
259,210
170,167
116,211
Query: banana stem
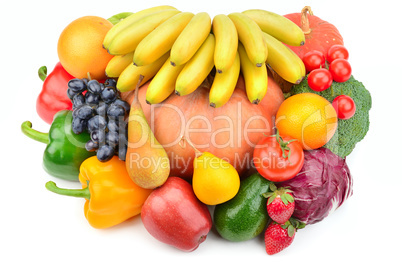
x,y
305,24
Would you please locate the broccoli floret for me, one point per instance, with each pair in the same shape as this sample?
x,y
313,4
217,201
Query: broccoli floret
x,y
350,131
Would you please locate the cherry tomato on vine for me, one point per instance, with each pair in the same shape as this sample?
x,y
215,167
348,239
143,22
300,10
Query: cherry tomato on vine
x,y
340,70
314,60
278,159
337,52
344,106
319,79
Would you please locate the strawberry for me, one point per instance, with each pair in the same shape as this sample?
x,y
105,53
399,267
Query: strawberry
x,y
280,204
280,236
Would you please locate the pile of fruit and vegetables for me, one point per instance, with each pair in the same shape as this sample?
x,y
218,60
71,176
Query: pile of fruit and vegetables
x,y
241,122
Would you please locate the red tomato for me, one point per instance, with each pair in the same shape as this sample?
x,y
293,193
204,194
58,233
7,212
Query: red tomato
x,y
337,52
340,70
319,79
278,159
344,106
313,60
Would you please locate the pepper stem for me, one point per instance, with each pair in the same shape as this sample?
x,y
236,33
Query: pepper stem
x,y
27,129
51,186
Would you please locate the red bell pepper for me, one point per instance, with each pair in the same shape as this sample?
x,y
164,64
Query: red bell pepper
x,y
53,97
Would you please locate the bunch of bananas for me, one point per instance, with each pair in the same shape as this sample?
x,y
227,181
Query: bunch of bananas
x,y
178,50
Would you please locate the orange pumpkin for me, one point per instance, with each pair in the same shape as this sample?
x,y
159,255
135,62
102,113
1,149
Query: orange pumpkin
x,y
320,35
229,132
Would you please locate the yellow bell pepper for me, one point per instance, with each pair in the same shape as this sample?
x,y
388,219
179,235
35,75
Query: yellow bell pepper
x,y
111,196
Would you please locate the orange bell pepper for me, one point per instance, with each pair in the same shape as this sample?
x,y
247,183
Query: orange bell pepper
x,y
111,196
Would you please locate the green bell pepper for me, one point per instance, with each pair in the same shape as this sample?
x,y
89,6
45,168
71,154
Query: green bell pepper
x,y
65,150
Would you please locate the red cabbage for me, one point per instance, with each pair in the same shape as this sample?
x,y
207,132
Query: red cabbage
x,y
321,186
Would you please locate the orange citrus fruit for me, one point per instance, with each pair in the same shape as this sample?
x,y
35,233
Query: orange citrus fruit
x,y
80,48
307,117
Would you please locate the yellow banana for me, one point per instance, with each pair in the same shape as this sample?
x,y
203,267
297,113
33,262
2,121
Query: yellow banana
x,y
226,42
118,63
250,35
128,39
278,26
128,21
255,78
190,39
197,68
163,84
224,84
284,61
128,79
161,40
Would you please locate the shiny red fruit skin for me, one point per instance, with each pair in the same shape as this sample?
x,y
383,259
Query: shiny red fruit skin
x,y
340,70
269,162
53,97
173,215
314,60
344,106
276,238
278,211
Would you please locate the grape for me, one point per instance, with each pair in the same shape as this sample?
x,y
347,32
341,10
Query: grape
x,y
94,87
98,109
71,93
110,82
77,85
109,94
97,123
91,146
78,125
122,152
98,136
84,112
101,109
78,100
113,125
112,138
105,153
122,149
123,104
115,111
91,98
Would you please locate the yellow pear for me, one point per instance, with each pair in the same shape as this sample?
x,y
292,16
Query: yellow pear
x,y
215,180
147,162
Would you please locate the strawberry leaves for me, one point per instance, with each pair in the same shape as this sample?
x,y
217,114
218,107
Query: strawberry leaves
x,y
282,192
281,231
292,225
280,204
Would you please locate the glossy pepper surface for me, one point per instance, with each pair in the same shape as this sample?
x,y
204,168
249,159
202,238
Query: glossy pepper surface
x,y
53,97
111,196
65,150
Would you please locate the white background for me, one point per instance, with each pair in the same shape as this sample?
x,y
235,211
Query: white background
x,y
47,230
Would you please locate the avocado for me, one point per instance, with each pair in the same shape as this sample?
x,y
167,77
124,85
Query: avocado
x,y
244,216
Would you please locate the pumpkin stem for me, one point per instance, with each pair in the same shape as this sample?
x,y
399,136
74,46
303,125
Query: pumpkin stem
x,y
305,24
181,143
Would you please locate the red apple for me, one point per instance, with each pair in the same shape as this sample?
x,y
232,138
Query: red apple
x,y
173,215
